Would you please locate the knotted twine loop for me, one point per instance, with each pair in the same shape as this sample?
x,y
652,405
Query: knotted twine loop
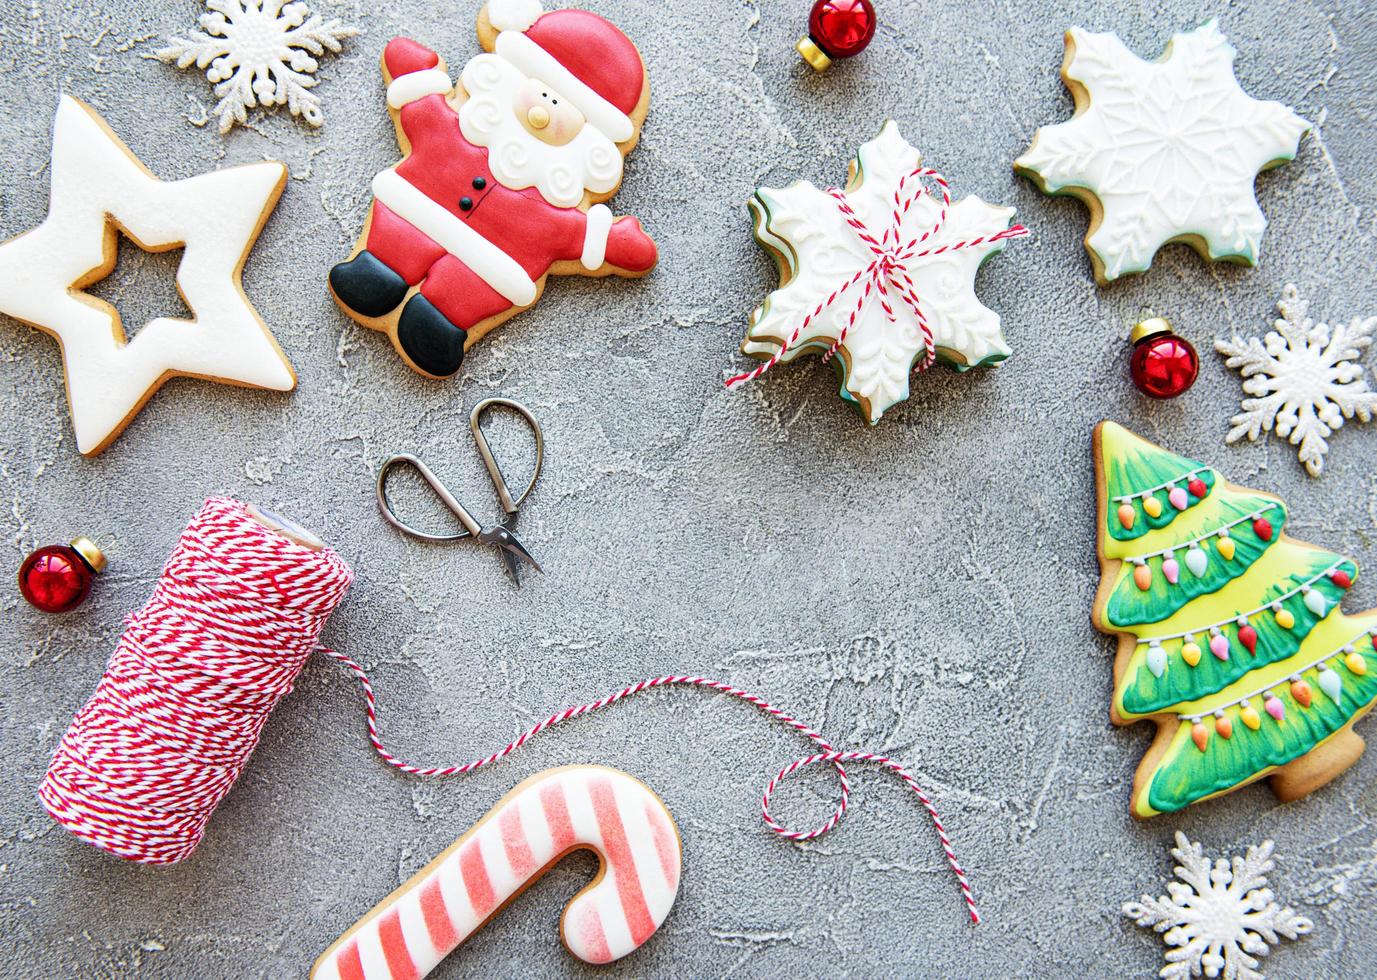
x,y
828,755
887,275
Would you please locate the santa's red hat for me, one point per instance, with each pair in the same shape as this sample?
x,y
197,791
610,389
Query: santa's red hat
x,y
579,54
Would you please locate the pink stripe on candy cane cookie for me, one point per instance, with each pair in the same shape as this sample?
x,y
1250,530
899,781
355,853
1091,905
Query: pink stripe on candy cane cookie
x,y
511,847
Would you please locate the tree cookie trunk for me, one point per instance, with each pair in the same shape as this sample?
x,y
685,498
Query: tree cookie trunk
x,y
1319,766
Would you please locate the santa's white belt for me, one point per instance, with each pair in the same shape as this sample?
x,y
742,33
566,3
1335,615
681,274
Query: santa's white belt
x,y
494,266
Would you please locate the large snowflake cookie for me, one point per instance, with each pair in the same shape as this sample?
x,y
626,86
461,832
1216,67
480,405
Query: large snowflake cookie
x,y
259,52
1220,917
881,274
98,189
1231,636
1163,151
1304,379
501,181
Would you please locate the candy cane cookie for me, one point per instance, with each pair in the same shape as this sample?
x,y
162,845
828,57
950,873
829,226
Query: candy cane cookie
x,y
540,821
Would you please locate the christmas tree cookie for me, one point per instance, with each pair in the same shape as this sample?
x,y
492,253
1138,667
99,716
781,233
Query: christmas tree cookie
x,y
1230,633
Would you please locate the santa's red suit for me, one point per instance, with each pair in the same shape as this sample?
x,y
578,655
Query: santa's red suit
x,y
442,219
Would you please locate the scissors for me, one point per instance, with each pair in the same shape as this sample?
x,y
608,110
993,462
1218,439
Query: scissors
x,y
501,536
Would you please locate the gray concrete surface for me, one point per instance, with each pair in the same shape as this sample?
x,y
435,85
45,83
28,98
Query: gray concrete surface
x,y
921,589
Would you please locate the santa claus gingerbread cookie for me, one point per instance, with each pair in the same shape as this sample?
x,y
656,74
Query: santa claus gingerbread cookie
x,y
501,182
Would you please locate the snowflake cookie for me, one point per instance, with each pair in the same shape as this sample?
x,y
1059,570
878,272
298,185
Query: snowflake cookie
x,y
882,275
1219,918
259,52
1163,151
97,187
1305,379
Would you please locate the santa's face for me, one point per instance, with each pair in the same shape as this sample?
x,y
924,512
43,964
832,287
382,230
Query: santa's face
x,y
534,137
545,115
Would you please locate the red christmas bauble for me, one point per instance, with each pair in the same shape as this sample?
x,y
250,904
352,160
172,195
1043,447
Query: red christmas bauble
x,y
837,29
57,578
1341,579
1163,364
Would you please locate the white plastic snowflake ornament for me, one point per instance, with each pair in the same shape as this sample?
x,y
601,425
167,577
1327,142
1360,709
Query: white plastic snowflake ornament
x,y
1305,379
1163,151
882,275
259,52
1220,918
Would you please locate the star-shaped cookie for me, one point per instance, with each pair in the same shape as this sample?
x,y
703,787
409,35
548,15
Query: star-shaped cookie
x,y
1162,151
98,189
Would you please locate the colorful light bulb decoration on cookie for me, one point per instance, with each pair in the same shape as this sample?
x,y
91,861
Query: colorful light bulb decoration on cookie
x,y
1162,365
836,29
501,182
530,829
878,277
1162,151
99,189
57,578
1270,609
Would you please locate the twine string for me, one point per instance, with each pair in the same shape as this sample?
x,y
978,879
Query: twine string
x,y
828,754
887,274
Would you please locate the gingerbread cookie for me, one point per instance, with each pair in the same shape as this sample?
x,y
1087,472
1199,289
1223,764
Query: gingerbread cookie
x,y
1230,633
1163,151
99,188
531,828
501,180
881,275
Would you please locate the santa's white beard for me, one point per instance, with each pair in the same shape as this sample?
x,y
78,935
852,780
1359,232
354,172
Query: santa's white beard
x,y
590,161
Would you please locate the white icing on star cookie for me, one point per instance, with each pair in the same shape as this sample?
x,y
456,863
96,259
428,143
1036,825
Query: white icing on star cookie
x,y
1162,151
97,186
818,252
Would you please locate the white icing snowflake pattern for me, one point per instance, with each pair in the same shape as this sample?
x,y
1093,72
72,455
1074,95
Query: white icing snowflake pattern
x,y
804,225
1304,377
1168,149
259,52
1220,918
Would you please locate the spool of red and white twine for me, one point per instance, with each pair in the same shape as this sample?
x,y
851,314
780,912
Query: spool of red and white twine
x,y
233,618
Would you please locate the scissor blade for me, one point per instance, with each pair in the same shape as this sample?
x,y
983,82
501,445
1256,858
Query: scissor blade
x,y
511,547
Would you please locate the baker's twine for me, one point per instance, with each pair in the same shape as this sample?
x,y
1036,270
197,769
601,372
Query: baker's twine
x,y
887,274
828,754
232,620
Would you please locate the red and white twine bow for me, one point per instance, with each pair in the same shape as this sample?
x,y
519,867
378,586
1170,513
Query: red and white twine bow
x,y
888,273
828,754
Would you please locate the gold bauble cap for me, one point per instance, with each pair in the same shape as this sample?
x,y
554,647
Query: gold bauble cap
x,y
817,58
1150,328
89,553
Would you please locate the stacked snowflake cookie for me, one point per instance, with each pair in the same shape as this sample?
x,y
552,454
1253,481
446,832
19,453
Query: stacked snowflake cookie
x,y
880,275
99,189
501,181
1230,634
1163,151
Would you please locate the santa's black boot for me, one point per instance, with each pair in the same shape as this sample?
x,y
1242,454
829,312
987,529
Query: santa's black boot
x,y
434,345
367,286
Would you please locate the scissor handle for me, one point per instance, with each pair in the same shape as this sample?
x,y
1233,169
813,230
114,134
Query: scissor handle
x,y
472,527
476,424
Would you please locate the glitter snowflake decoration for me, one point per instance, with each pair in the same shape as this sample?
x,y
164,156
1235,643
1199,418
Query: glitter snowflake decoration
x,y
1305,379
259,52
877,340
1220,918
1162,151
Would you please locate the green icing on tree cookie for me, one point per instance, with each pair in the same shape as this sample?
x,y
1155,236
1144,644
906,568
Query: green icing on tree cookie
x,y
1239,652
1132,605
1145,694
